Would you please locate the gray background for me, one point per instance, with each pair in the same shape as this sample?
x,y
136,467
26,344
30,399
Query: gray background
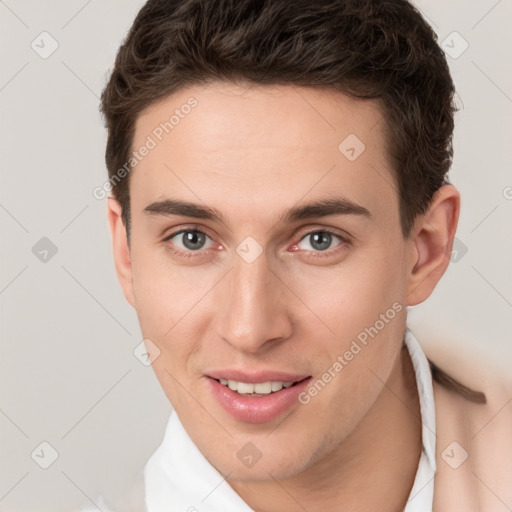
x,y
68,373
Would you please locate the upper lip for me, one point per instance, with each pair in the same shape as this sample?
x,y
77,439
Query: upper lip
x,y
254,377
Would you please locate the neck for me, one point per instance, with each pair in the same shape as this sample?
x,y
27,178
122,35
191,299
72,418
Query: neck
x,y
380,455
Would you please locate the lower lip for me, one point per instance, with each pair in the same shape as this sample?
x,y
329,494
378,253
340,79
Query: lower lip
x,y
256,409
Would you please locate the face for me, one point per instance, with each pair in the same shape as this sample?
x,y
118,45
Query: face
x,y
288,265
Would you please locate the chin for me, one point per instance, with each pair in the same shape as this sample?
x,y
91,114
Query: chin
x,y
267,470
263,461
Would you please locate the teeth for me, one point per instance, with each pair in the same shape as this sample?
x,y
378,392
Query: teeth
x,y
261,388
276,386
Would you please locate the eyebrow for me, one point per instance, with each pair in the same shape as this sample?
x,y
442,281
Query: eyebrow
x,y
321,208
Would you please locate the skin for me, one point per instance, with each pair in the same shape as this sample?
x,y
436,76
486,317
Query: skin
x,y
252,153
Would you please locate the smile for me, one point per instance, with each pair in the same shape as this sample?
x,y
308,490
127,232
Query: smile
x,y
256,402
255,390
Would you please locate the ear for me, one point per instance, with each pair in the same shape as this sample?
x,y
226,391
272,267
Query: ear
x,y
431,244
121,249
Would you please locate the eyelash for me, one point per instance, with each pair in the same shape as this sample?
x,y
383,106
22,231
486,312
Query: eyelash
x,y
344,242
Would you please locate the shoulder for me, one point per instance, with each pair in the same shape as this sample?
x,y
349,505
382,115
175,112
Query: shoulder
x,y
473,403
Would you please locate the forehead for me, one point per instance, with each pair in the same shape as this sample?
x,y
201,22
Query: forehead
x,y
278,115
274,144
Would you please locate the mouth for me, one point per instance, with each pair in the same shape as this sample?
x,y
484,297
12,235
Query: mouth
x,y
257,402
259,389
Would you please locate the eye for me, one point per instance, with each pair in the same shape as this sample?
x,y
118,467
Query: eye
x,y
189,240
320,241
186,242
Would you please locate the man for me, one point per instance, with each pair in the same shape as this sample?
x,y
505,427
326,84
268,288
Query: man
x,y
279,198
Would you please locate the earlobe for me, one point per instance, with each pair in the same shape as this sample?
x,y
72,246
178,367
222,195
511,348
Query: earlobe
x,y
432,240
121,249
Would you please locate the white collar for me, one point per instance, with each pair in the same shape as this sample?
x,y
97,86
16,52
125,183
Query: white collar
x,y
178,477
422,492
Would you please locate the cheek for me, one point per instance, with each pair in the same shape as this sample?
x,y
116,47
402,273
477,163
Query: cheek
x,y
349,297
163,292
164,302
170,302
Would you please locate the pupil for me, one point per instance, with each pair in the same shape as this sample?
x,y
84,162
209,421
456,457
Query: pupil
x,y
321,241
193,240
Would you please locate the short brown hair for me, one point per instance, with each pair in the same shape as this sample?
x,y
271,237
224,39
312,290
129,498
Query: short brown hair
x,y
369,49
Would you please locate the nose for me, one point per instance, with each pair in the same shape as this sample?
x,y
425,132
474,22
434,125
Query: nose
x,y
254,314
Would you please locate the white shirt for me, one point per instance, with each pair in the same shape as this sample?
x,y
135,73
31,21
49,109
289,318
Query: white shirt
x,y
178,478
